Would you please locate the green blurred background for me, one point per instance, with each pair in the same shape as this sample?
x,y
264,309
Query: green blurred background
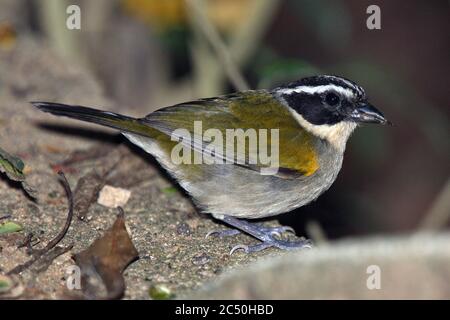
x,y
152,53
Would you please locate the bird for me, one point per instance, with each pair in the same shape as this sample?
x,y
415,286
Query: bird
x,y
310,119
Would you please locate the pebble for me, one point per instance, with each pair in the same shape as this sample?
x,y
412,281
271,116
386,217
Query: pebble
x,y
113,197
183,229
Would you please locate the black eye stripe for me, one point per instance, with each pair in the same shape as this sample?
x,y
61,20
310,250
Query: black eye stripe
x,y
309,107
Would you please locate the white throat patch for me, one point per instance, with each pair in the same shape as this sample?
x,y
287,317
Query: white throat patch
x,y
336,134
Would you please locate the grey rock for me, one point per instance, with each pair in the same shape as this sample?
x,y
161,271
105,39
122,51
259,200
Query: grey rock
x,y
410,267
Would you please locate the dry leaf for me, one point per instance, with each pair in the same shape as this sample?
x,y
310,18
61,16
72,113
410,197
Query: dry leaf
x,y
104,261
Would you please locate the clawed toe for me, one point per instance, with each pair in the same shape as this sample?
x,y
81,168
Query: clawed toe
x,y
278,231
239,247
223,233
272,242
292,245
250,249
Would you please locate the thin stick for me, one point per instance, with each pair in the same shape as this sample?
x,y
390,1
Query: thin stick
x,y
209,72
246,39
201,21
63,232
39,253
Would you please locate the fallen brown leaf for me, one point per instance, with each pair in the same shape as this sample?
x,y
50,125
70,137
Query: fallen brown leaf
x,y
104,261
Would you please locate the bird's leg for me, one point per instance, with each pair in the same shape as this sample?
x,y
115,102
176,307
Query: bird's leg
x,y
264,234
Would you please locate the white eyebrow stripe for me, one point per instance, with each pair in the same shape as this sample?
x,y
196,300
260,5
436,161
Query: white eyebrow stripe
x,y
349,83
317,89
343,80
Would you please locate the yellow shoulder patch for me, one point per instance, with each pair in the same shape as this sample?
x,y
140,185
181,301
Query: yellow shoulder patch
x,y
296,149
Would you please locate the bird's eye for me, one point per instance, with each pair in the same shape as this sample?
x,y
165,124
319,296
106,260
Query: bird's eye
x,y
332,99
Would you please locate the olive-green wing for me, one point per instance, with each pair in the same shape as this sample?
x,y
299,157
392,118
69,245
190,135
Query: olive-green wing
x,y
253,110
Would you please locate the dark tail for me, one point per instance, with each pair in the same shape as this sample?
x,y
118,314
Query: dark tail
x,y
105,118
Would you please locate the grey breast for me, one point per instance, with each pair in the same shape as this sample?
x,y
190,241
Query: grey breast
x,y
239,192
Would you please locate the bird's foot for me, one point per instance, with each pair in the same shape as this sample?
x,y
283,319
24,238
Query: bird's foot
x,y
274,231
267,235
280,244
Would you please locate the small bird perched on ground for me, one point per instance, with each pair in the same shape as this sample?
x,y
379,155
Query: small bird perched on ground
x,y
313,118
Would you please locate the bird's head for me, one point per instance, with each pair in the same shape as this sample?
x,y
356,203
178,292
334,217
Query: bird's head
x,y
329,107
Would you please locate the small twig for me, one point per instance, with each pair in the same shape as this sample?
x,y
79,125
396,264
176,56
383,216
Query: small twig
x,y
47,259
200,19
37,254
248,36
7,216
63,232
209,73
26,242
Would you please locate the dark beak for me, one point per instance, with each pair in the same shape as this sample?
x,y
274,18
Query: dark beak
x,y
366,113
